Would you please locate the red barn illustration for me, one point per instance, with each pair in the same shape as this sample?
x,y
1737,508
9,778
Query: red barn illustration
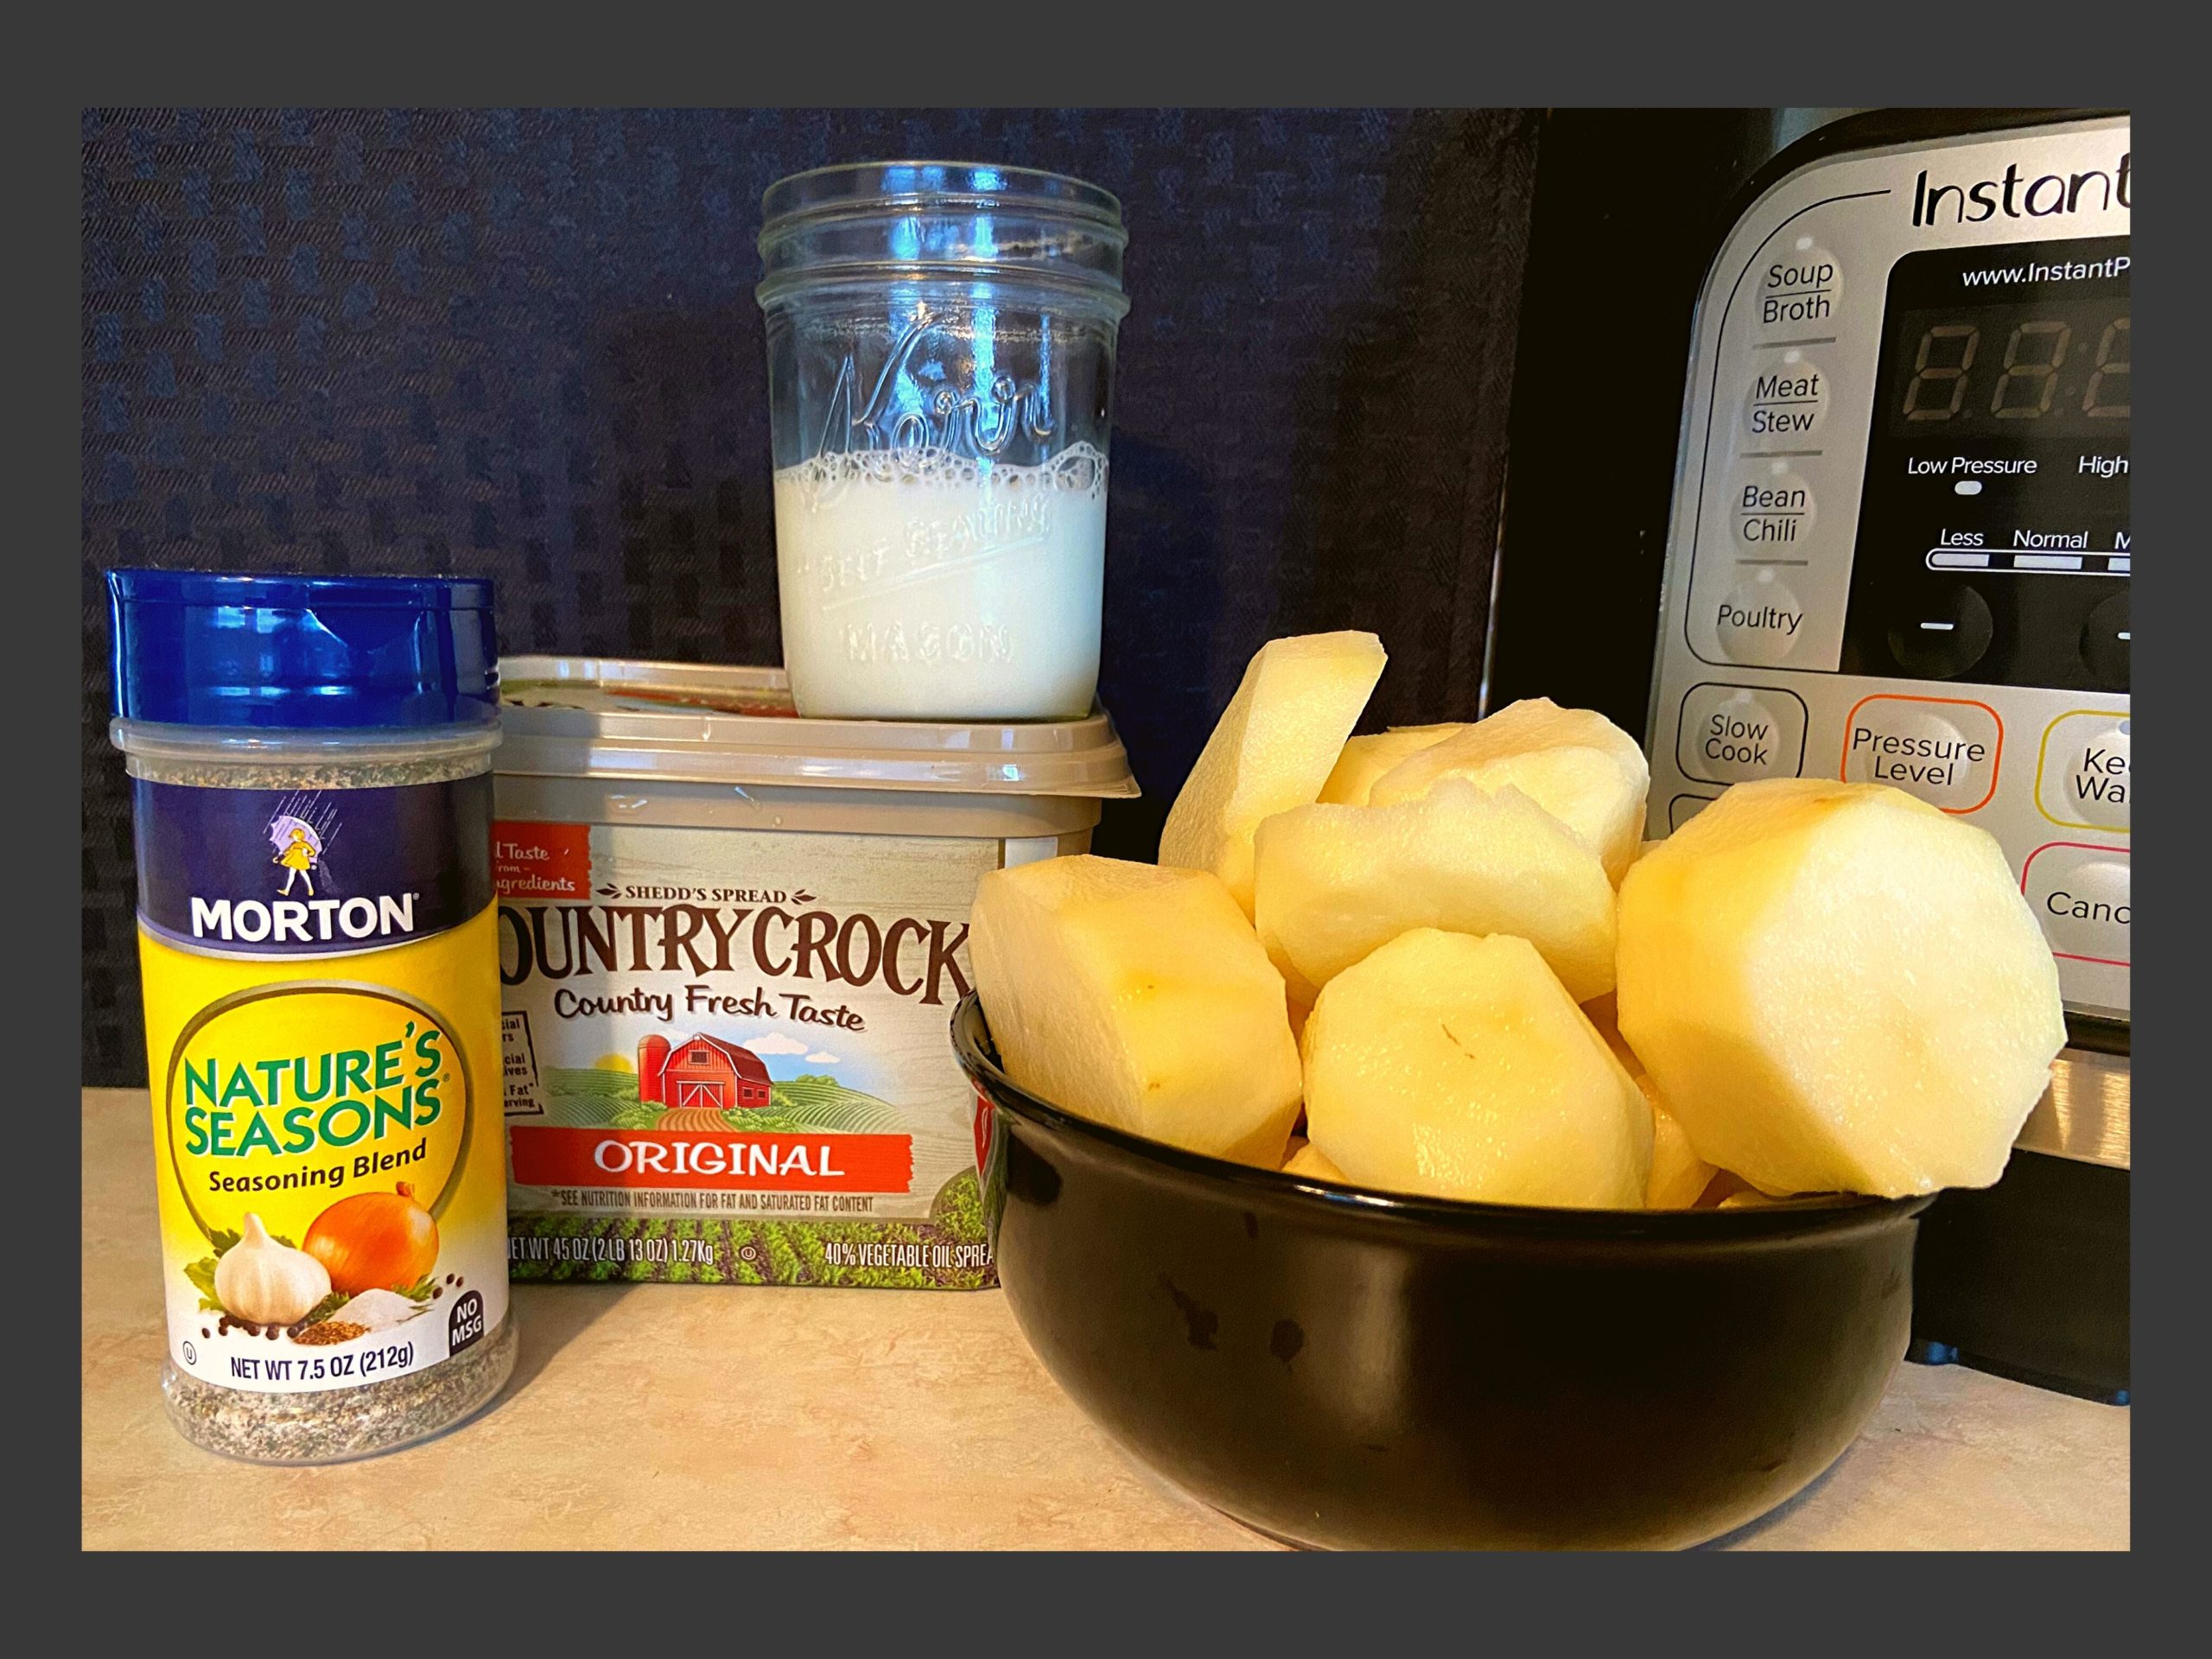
x,y
700,1074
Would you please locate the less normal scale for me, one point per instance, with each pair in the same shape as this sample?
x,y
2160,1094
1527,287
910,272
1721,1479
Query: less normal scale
x,y
1900,552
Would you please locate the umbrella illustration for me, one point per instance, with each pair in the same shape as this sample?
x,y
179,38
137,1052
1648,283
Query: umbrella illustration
x,y
299,850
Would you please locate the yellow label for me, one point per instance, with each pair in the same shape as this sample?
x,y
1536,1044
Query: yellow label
x,y
341,1103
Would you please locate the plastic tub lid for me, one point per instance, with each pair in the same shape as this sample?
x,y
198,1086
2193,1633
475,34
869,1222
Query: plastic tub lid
x,y
608,717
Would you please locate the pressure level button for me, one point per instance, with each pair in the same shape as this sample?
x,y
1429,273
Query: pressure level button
x,y
1945,750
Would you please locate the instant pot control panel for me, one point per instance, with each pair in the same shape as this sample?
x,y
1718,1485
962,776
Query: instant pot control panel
x,y
1900,548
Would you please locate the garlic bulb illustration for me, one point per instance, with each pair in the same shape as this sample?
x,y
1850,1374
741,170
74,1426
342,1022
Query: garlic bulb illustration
x,y
264,1282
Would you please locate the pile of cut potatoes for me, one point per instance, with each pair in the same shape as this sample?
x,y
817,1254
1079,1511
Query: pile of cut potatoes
x,y
1442,960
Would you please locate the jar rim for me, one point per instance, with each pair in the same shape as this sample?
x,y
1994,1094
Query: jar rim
x,y
846,187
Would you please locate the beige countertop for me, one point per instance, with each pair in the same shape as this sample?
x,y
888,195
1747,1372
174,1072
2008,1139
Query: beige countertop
x,y
665,1417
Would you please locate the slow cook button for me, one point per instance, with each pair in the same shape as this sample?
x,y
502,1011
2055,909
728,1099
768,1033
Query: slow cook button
x,y
1729,734
1945,750
2086,773
2080,894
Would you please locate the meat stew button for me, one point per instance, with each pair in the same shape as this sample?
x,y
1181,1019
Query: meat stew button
x,y
2081,895
1945,750
1786,400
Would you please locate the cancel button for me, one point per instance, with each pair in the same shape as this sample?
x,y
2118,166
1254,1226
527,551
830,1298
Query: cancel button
x,y
2081,895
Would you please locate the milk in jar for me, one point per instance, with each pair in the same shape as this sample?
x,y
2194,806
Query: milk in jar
x,y
942,585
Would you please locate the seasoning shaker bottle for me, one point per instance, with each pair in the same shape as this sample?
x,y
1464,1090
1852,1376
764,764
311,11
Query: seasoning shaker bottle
x,y
941,341
310,761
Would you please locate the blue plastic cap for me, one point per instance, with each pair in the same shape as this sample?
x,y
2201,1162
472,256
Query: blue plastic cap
x,y
300,653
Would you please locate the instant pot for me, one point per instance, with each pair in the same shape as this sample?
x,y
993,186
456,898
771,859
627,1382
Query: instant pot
x,y
1896,547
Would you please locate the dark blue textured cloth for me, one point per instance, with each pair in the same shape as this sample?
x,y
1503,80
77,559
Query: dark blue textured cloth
x,y
523,344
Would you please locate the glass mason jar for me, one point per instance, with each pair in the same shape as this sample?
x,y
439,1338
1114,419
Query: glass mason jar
x,y
940,378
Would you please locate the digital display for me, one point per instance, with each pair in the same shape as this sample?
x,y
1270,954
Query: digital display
x,y
1994,544
2012,370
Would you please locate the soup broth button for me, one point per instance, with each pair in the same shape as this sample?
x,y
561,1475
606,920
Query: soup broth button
x,y
1798,287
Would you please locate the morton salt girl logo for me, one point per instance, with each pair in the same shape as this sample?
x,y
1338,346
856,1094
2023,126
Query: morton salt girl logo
x,y
299,850
299,834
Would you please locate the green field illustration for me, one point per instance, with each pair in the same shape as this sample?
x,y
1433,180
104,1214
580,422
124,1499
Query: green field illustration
x,y
593,1098
949,1250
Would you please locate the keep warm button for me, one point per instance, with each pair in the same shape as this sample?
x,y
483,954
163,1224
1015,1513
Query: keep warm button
x,y
2080,893
2085,771
1945,750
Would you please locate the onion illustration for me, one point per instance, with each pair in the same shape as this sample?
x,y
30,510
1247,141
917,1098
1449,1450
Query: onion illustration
x,y
375,1241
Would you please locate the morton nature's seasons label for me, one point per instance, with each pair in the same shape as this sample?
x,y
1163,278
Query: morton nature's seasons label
x,y
322,1015
726,1058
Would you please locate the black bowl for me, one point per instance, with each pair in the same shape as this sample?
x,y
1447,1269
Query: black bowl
x,y
1347,1370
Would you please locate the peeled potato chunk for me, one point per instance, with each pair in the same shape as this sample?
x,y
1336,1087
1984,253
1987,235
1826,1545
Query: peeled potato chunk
x,y
1460,1068
1139,997
1678,1176
1331,883
1272,749
1838,988
1747,1198
1308,1159
1574,763
1366,759
1604,1012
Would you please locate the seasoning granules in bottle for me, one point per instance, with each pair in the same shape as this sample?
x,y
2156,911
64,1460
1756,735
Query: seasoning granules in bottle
x,y
312,796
